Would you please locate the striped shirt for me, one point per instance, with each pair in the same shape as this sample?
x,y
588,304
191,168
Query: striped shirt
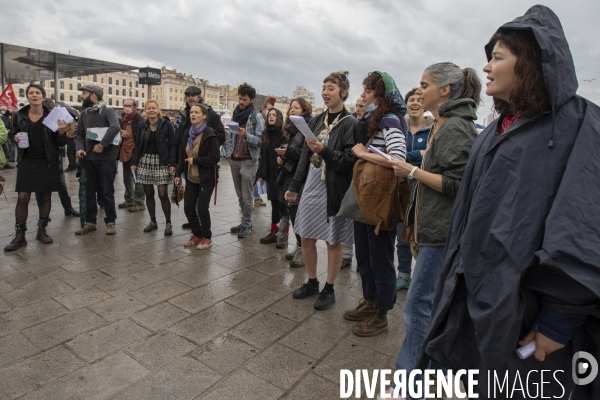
x,y
392,141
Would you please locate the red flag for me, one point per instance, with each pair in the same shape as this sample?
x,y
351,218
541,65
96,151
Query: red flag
x,y
8,98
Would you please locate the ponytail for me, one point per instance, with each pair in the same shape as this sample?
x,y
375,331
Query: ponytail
x,y
464,83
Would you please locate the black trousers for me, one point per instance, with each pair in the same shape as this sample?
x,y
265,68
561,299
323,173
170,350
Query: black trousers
x,y
196,201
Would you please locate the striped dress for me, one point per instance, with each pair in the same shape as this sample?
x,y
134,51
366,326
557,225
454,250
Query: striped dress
x,y
311,222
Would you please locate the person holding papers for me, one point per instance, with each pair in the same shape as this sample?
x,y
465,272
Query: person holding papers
x,y
385,134
154,159
97,137
325,170
38,164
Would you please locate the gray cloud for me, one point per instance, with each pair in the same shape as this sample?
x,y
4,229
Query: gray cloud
x,y
280,44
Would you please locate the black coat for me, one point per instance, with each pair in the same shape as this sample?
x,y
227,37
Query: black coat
x,y
338,157
268,169
52,140
208,156
525,231
167,145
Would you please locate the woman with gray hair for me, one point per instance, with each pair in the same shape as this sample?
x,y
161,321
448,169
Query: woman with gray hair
x,y
452,95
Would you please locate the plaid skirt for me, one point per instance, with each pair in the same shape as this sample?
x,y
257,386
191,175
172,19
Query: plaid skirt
x,y
150,172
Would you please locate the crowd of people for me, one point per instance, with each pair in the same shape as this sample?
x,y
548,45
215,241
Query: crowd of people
x,y
503,225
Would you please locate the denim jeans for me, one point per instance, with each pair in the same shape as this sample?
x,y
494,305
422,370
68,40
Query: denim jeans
x,y
243,173
419,304
375,261
404,255
100,176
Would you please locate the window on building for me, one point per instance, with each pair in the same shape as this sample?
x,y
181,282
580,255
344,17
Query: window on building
x,y
130,84
170,97
101,80
130,93
110,80
117,92
142,86
21,92
142,95
78,85
42,83
70,98
110,101
78,78
79,98
136,84
95,78
136,94
109,90
62,85
62,97
117,102
142,105
70,86
51,83
124,83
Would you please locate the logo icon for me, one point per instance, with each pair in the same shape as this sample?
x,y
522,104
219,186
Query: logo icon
x,y
584,363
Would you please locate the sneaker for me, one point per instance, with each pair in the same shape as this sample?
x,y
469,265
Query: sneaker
x,y
111,229
390,391
152,226
346,262
86,229
127,204
192,241
325,300
168,229
305,290
270,238
402,283
204,244
260,202
298,260
245,232
365,309
137,207
236,229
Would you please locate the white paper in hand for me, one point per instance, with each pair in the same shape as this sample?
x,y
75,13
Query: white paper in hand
x,y
233,126
51,120
377,151
303,127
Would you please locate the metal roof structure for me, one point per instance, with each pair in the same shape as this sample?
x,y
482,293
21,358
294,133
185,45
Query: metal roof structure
x,y
20,64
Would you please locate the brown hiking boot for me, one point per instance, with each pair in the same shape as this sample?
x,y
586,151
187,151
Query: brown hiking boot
x,y
111,229
127,204
86,229
375,324
270,238
365,309
43,237
18,242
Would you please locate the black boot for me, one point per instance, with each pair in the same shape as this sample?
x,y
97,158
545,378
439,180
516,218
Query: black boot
x,y
69,210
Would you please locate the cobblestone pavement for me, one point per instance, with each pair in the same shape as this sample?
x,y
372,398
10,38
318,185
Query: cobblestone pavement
x,y
138,316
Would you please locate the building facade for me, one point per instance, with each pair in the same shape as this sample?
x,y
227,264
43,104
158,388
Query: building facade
x,y
305,94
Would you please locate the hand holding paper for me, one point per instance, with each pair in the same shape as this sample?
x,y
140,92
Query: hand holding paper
x,y
57,113
233,126
381,153
303,127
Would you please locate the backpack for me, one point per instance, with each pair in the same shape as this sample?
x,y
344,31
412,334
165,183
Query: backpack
x,y
382,196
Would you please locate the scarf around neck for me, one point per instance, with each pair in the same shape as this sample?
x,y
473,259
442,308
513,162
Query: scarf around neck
x,y
241,116
99,106
194,133
128,118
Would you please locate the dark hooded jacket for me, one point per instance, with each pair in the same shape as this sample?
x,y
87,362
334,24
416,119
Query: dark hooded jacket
x,y
208,156
525,232
52,140
167,146
337,156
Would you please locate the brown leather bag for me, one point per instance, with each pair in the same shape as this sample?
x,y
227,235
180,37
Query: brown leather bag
x,y
382,196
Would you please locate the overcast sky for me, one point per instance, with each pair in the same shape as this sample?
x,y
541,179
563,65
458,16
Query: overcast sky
x,y
276,45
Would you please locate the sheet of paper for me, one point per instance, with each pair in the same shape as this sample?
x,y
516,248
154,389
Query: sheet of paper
x,y
51,121
97,134
134,175
234,127
303,127
377,151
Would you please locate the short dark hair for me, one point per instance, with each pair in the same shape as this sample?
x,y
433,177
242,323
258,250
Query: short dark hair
x,y
246,89
409,94
37,86
201,106
135,103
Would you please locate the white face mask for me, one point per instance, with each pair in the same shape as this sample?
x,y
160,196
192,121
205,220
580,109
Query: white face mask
x,y
371,107
127,110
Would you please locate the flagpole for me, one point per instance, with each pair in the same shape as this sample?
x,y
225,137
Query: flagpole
x,y
2,65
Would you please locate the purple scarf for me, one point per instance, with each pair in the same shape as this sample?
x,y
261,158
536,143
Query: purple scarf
x,y
194,134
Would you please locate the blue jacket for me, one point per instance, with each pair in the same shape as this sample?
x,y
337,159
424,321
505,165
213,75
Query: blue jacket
x,y
417,142
254,129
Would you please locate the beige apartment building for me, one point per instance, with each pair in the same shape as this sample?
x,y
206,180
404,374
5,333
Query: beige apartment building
x,y
305,94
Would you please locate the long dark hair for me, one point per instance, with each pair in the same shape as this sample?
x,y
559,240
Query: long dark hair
x,y
373,81
530,92
271,130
